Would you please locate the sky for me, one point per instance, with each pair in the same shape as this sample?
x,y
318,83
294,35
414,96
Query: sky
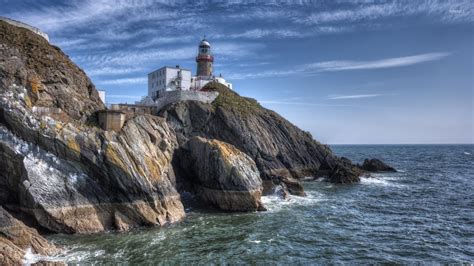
x,y
348,72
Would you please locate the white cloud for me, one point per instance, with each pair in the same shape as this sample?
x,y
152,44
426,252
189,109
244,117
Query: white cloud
x,y
113,71
448,11
357,96
123,96
137,57
383,63
124,81
318,67
299,103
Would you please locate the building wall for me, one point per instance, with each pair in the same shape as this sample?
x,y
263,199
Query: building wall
x,y
204,68
177,96
132,110
111,120
25,26
161,80
102,95
198,83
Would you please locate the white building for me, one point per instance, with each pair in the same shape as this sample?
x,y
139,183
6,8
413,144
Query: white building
x,y
101,95
168,79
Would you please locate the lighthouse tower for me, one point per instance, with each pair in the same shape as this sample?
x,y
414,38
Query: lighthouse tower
x,y
204,59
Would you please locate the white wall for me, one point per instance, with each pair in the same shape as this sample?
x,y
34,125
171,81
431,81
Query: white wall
x,y
162,79
26,26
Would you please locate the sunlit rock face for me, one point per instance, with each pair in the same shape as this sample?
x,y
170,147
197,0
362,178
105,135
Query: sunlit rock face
x,y
221,175
60,168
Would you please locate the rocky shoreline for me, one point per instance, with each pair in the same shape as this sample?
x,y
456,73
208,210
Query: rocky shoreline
x,y
66,175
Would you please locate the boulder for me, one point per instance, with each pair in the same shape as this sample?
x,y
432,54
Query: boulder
x,y
221,175
376,165
16,238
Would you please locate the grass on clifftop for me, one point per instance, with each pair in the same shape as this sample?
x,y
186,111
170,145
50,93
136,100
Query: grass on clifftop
x,y
232,101
39,53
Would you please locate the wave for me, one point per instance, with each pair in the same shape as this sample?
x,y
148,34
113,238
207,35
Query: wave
x,y
275,203
380,180
31,258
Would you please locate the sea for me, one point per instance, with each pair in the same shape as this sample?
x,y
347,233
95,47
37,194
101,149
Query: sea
x,y
424,213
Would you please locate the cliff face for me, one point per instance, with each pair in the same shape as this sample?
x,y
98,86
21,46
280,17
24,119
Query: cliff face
x,y
50,78
56,167
220,174
283,153
67,175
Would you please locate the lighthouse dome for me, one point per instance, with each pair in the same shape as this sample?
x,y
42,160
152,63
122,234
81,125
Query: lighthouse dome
x,y
204,43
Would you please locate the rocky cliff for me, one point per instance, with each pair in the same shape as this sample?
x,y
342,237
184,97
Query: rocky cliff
x,y
59,172
58,168
282,152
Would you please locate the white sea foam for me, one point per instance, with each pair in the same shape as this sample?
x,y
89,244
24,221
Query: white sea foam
x,y
275,203
31,258
467,153
380,180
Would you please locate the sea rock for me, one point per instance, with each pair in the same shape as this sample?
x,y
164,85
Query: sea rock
x,y
221,175
376,165
16,238
62,170
282,152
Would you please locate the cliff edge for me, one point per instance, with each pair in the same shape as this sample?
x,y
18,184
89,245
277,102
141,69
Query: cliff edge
x,y
282,152
61,173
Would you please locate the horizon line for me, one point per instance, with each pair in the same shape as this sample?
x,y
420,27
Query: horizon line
x,y
400,143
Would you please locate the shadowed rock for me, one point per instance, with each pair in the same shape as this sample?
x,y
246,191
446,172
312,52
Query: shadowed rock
x,y
282,152
221,175
376,165
16,238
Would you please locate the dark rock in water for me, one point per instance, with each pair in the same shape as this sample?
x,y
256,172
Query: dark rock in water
x,y
16,238
283,153
376,165
221,175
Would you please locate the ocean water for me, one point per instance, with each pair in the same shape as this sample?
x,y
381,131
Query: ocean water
x,y
423,213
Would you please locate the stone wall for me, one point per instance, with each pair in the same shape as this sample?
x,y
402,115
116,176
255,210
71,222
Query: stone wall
x,y
176,96
111,120
25,26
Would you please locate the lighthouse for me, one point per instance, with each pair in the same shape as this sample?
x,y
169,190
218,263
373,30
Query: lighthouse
x,y
204,59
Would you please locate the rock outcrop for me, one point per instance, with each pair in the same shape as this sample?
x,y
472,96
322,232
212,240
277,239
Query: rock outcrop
x,y
51,79
282,152
16,238
60,169
376,165
221,175
67,175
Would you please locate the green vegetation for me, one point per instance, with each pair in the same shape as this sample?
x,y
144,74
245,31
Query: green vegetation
x,y
232,101
40,54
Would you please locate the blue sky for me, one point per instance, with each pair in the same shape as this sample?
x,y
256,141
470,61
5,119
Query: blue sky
x,y
346,71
